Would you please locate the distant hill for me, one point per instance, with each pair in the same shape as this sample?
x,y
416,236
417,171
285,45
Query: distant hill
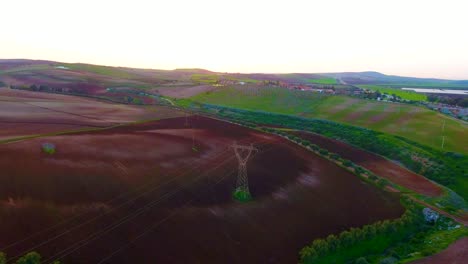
x,y
371,77
22,71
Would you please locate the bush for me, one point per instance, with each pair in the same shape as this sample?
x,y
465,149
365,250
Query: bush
x,y
30,258
389,260
323,152
373,177
48,148
361,260
382,182
242,195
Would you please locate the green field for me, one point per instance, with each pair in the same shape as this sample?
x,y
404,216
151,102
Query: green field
x,y
416,123
407,95
214,78
326,81
101,70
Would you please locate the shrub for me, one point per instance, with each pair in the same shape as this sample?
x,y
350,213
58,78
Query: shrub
x,y
48,148
323,151
389,260
30,258
382,183
242,195
361,260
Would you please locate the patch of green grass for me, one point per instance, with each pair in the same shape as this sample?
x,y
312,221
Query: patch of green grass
x,y
27,68
404,94
278,100
205,78
242,195
49,148
215,78
101,70
325,81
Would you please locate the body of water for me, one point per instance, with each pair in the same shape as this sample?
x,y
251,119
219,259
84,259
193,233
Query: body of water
x,y
438,91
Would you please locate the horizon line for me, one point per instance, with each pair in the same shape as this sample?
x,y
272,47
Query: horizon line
x,y
233,72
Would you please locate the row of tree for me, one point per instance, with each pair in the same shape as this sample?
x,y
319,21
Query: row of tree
x,y
461,100
29,258
37,88
350,238
358,170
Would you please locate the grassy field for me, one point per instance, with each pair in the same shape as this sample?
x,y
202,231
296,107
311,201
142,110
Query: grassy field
x,y
326,81
205,78
101,70
407,95
418,124
214,78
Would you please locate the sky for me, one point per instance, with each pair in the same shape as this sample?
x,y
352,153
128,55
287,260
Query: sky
x,y
402,37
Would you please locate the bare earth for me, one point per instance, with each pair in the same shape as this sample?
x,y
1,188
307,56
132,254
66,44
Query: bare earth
x,y
24,113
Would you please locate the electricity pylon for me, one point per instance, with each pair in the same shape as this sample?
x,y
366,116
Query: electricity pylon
x,y
243,154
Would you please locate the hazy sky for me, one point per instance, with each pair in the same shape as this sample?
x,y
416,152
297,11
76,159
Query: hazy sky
x,y
407,37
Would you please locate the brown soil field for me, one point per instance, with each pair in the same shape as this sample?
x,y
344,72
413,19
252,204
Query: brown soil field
x,y
377,164
24,113
160,192
457,253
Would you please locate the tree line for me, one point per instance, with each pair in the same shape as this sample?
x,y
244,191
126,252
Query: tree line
x,y
29,258
319,248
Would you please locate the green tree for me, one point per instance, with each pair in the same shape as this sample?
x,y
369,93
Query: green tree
x,y
320,246
33,87
30,258
361,260
2,258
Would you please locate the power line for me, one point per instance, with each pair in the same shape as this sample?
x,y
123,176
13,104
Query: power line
x,y
145,186
107,212
127,218
156,225
152,228
94,236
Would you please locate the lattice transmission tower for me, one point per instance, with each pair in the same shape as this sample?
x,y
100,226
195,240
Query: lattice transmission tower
x,y
243,153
